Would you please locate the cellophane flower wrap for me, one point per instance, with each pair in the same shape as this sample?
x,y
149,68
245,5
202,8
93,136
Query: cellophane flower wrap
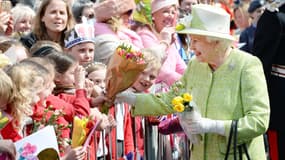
x,y
123,69
82,126
186,109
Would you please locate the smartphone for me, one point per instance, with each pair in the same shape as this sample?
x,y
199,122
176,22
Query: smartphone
x,y
5,6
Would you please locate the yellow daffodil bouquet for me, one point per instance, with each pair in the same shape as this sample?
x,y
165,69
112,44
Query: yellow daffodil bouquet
x,y
186,109
183,99
182,103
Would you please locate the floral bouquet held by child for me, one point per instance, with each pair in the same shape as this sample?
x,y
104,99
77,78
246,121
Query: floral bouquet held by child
x,y
186,109
123,69
83,129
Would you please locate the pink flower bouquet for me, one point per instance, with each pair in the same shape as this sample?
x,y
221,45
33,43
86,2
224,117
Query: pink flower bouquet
x,y
123,69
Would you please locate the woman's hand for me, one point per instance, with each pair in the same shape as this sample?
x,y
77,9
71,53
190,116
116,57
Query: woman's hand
x,y
167,35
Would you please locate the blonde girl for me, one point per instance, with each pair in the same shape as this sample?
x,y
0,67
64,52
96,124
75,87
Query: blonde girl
x,y
6,90
28,82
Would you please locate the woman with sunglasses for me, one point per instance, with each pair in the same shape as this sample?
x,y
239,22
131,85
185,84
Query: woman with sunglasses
x,y
113,17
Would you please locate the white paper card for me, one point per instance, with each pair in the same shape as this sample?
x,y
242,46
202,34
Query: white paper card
x,y
30,146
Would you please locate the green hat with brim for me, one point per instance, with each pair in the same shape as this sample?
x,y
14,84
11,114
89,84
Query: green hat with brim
x,y
207,20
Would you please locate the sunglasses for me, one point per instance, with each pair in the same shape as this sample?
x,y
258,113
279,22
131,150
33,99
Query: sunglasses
x,y
129,12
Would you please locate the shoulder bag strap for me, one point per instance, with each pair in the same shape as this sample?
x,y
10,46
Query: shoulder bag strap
x,y
229,141
241,148
234,123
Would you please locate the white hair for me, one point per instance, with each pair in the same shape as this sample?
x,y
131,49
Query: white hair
x,y
21,11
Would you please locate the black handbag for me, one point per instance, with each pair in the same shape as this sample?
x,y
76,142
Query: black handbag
x,y
233,137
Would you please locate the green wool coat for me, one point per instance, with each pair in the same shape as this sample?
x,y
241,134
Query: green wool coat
x,y
236,90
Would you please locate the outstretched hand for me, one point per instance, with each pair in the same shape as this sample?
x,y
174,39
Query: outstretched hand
x,y
126,97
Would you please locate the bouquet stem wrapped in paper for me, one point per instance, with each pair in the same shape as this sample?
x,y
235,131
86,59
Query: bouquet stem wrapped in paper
x,y
123,70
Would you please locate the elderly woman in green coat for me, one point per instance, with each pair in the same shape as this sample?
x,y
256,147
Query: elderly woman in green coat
x,y
226,84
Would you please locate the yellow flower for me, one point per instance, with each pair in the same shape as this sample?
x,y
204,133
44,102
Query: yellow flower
x,y
179,107
179,27
187,97
177,100
79,133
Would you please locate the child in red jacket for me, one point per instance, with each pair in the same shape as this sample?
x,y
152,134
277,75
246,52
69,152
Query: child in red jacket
x,y
68,105
121,137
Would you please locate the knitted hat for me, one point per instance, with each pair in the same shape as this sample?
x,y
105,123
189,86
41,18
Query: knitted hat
x,y
208,20
255,4
81,33
158,4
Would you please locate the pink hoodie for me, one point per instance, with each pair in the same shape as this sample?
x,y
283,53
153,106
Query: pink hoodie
x,y
123,34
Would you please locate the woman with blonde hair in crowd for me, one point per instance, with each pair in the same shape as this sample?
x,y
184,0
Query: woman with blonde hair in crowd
x,y
241,17
53,18
113,17
164,18
23,18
